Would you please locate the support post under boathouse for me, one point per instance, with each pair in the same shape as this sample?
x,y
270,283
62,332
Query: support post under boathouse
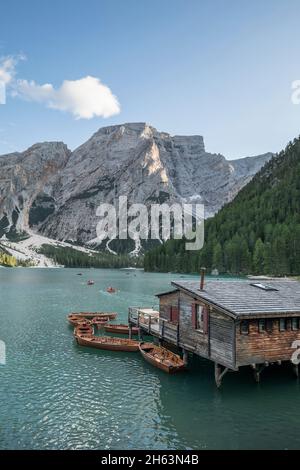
x,y
231,323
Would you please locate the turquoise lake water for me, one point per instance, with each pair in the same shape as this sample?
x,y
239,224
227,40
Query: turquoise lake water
x,y
57,395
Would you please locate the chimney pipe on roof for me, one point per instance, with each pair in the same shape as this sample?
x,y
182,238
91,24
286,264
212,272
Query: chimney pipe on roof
x,y
202,278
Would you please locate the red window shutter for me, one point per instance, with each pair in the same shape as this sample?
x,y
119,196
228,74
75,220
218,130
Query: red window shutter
x,y
175,314
194,315
205,320
170,313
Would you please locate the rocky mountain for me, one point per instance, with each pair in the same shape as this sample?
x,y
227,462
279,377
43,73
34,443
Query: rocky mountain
x,y
28,184
55,192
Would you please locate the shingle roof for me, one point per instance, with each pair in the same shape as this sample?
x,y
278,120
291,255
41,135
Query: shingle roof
x,y
241,299
161,294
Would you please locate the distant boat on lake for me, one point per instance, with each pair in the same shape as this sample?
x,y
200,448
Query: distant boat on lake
x,y
111,290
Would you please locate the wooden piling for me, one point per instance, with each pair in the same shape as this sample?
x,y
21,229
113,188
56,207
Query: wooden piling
x,y
219,374
257,370
185,357
296,370
140,336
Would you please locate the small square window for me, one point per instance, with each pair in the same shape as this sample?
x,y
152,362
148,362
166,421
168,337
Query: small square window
x,y
262,326
269,326
294,324
244,327
282,324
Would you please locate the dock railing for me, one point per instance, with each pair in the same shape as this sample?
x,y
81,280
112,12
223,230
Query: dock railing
x,y
133,314
154,325
169,331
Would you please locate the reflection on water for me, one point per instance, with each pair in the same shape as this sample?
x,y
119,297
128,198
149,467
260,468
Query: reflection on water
x,y
56,395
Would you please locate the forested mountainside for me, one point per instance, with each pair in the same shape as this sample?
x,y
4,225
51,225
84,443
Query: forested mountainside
x,y
72,258
258,232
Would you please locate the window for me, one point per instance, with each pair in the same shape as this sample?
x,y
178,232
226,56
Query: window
x,y
294,324
269,326
282,324
173,314
261,326
200,318
266,287
245,327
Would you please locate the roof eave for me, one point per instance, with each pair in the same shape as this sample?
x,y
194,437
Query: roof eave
x,y
160,294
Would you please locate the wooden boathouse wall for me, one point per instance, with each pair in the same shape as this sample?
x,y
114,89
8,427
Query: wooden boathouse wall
x,y
167,302
216,343
222,339
271,345
192,339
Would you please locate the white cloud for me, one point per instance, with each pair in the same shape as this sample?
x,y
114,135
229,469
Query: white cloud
x,y
84,98
8,68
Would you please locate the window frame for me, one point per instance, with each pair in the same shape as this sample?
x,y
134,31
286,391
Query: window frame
x,y
199,318
269,325
262,322
282,321
172,310
295,321
244,323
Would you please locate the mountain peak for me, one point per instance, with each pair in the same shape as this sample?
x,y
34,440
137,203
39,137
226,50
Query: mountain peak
x,y
54,191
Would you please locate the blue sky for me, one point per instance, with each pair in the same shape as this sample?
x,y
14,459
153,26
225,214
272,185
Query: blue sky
x,y
219,68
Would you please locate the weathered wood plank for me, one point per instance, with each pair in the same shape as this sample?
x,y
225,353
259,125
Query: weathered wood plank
x,y
270,346
221,338
187,333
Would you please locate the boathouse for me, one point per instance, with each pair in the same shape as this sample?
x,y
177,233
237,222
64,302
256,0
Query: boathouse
x,y
232,323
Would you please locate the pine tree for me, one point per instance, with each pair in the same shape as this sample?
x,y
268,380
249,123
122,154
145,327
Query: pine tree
x,y
259,257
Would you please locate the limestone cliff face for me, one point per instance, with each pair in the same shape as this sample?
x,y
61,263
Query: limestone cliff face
x,y
56,192
29,178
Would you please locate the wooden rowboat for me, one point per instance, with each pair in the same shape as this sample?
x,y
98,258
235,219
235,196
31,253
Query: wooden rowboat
x,y
111,315
162,358
74,318
120,329
106,342
84,330
99,321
